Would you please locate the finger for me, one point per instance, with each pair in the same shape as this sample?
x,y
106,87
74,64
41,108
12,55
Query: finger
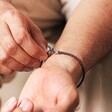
x,y
24,39
26,106
10,105
16,66
5,70
11,63
37,35
13,50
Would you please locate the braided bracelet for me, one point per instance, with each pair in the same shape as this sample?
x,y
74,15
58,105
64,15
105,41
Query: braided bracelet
x,y
51,51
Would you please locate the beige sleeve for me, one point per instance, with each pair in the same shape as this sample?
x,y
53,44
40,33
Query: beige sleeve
x,y
45,13
69,6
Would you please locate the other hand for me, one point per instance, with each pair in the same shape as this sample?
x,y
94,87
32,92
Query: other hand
x,y
22,44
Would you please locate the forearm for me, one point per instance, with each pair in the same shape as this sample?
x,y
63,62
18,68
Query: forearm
x,y
87,35
88,32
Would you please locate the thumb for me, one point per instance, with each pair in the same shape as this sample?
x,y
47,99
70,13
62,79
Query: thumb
x,y
24,106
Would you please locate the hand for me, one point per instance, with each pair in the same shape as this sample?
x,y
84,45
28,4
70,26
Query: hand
x,y
22,45
12,106
51,88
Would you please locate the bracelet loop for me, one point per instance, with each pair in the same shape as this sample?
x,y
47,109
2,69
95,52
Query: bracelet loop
x,y
51,51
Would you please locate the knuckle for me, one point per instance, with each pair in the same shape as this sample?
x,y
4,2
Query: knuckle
x,y
10,13
11,49
21,37
3,59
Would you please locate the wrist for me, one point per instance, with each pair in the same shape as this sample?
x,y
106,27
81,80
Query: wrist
x,y
66,63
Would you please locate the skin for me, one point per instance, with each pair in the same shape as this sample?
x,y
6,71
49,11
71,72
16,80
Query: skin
x,y
12,105
15,55
87,35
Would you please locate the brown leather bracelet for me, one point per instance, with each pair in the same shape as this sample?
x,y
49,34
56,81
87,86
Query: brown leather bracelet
x,y
52,51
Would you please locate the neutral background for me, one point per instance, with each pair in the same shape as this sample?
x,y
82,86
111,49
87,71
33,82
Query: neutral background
x,y
14,87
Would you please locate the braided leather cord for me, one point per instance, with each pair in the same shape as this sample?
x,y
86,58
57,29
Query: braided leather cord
x,y
51,51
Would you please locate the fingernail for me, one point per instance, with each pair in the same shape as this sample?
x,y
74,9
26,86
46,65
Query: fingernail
x,y
10,104
26,105
36,64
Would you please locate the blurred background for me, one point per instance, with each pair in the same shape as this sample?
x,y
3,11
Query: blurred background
x,y
12,85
